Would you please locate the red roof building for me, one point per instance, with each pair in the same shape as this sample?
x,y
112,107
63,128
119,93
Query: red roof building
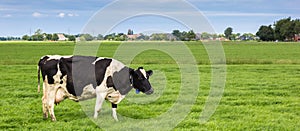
x,y
297,37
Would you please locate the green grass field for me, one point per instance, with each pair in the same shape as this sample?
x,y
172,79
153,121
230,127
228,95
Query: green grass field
x,y
262,89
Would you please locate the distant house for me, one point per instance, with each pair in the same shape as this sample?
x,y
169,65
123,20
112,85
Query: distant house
x,y
171,37
133,37
61,37
297,37
222,39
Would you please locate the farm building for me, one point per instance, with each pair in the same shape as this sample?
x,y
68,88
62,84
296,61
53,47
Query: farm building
x,y
133,36
297,37
61,37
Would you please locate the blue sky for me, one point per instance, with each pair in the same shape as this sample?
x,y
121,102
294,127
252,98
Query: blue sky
x,y
20,17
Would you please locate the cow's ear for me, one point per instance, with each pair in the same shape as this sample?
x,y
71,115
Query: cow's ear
x,y
149,72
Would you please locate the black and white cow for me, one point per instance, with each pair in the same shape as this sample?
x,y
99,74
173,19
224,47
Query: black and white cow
x,y
84,77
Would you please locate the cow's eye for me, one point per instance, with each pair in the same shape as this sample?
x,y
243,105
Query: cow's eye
x,y
140,78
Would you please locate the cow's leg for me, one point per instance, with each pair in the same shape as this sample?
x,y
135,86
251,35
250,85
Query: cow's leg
x,y
45,101
99,101
51,100
114,111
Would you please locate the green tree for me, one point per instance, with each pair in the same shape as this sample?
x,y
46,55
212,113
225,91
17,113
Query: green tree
x,y
297,26
55,37
38,36
159,36
247,36
88,37
71,38
266,33
120,37
177,34
183,36
205,36
25,37
143,37
100,37
191,35
130,32
49,36
228,33
283,29
110,36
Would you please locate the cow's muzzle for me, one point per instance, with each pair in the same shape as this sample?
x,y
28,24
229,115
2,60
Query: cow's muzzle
x,y
149,92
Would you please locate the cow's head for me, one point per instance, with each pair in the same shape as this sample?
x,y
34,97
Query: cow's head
x,y
140,80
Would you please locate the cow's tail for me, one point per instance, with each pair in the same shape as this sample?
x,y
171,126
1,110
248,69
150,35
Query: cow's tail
x,y
39,87
42,60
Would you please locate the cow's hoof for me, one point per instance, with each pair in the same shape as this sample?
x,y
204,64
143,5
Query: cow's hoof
x,y
95,116
53,118
116,119
45,116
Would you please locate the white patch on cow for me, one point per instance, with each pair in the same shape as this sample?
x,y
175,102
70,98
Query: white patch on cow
x,y
60,95
99,101
114,114
116,65
54,57
114,96
45,97
88,92
51,99
57,57
57,76
143,72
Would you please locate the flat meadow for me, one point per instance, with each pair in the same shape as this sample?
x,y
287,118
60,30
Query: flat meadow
x,y
262,89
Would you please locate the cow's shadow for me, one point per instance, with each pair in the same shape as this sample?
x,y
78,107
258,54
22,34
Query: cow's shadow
x,y
70,110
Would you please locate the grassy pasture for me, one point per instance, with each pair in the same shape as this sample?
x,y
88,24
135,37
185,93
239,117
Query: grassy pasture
x,y
262,88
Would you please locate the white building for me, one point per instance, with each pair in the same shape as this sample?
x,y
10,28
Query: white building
x,y
61,37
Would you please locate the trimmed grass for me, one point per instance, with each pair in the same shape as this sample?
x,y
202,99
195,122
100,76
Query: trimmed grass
x,y
262,88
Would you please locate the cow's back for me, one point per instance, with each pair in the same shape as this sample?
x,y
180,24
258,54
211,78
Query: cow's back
x,y
83,71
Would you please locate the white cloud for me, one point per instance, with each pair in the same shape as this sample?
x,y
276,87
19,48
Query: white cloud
x,y
5,9
61,15
37,14
72,15
7,15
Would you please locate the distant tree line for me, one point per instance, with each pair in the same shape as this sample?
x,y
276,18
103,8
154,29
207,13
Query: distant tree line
x,y
184,36
40,36
282,30
229,35
9,38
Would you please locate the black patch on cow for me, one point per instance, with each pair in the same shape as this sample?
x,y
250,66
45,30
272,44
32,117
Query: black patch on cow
x,y
100,69
114,105
122,81
110,83
42,63
48,68
82,71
